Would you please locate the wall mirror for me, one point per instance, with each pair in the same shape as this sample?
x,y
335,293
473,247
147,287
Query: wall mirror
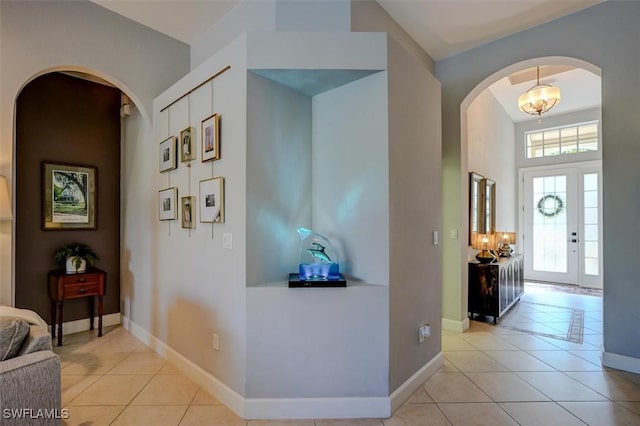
x,y
489,206
477,221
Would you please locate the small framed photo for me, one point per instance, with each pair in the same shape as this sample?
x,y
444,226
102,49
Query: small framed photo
x,y
168,158
188,211
212,200
69,197
167,204
210,138
187,149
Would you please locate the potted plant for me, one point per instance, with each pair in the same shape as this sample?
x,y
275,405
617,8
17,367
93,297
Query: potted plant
x,y
76,256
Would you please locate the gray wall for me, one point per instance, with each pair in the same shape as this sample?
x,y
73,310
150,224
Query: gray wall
x,y
414,213
491,154
607,36
350,195
278,178
368,15
317,342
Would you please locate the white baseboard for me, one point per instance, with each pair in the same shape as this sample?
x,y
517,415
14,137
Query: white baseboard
x,y
77,326
457,326
317,408
287,408
205,380
621,362
408,388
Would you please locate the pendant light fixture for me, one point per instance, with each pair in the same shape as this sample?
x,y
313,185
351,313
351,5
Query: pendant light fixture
x,y
540,98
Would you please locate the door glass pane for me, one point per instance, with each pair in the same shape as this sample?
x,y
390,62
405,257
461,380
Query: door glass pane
x,y
550,224
590,232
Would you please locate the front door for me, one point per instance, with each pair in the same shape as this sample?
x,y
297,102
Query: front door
x,y
562,232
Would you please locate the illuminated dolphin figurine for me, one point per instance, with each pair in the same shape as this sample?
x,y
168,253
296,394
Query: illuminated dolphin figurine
x,y
318,251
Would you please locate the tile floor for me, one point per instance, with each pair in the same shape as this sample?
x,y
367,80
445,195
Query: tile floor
x,y
492,376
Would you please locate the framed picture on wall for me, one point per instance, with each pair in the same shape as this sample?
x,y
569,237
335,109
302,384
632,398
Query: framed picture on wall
x,y
188,212
210,134
168,158
69,196
212,200
187,148
167,209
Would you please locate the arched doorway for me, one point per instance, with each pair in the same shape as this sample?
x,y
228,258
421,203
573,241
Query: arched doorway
x,y
481,152
66,118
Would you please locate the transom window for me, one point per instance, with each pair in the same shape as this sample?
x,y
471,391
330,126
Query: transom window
x,y
562,140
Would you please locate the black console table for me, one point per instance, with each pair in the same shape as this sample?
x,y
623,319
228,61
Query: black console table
x,y
495,287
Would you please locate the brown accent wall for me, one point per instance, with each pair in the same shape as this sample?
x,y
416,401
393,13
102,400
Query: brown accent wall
x,y
65,119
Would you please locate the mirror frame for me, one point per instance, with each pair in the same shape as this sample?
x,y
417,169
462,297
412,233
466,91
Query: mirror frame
x,y
476,215
489,206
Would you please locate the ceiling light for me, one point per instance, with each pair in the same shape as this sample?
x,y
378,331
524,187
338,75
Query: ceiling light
x,y
540,98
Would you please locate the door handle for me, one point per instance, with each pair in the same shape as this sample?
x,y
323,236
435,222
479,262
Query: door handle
x,y
573,240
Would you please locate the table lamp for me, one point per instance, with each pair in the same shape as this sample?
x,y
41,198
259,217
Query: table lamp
x,y
484,243
505,239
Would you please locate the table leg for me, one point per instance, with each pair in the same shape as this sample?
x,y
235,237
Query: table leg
x,y
99,316
91,311
60,320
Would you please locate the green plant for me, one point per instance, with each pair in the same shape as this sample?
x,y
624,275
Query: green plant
x,y
79,252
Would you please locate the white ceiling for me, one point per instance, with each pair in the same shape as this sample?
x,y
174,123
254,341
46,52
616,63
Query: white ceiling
x,y
446,27
442,27
579,89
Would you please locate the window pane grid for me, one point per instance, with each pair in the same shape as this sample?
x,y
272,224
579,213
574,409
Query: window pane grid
x,y
591,255
550,224
562,140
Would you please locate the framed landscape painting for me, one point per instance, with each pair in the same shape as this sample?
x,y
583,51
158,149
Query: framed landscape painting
x,y
69,194
212,200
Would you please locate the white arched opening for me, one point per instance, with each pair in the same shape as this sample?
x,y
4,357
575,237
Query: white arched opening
x,y
465,137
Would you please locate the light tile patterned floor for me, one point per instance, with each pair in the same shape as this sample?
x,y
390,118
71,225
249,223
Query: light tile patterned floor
x,y
492,376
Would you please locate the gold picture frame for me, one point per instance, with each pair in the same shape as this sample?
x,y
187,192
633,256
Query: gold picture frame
x,y
188,209
212,200
210,135
167,154
187,149
167,209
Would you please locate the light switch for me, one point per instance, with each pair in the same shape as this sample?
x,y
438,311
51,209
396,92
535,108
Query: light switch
x,y
453,233
227,241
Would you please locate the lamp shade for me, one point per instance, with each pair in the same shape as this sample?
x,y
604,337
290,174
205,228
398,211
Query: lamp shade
x,y
483,241
540,98
505,237
5,202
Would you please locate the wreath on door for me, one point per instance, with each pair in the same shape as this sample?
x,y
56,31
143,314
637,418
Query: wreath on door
x,y
550,205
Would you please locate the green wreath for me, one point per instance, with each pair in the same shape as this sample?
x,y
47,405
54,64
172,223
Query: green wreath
x,y
558,205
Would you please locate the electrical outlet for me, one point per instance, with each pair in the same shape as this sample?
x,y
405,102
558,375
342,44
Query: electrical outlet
x,y
423,331
216,342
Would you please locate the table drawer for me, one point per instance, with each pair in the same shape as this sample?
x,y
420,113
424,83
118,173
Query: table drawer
x,y
81,279
81,289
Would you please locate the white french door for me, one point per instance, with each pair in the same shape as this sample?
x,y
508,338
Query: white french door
x,y
562,233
